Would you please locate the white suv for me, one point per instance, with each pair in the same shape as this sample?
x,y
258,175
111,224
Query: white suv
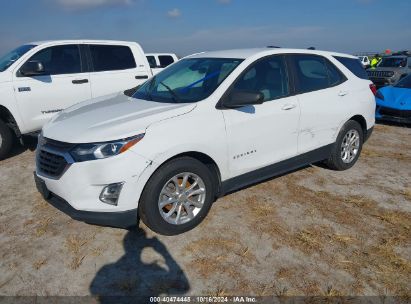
x,y
207,125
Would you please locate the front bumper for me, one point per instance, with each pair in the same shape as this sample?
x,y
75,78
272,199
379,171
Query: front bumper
x,y
121,219
77,191
393,115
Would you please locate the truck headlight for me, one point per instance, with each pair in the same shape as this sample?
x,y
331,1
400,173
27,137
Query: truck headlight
x,y
93,151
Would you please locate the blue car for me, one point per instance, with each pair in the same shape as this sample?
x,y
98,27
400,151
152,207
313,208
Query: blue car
x,y
394,102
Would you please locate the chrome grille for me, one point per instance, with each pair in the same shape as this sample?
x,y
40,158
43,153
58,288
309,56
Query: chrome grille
x,y
380,74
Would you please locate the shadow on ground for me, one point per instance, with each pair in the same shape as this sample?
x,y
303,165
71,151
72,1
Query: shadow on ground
x,y
131,276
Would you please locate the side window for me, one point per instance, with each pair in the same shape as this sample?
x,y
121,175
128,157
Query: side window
x,y
57,60
152,61
311,73
268,76
165,60
335,76
111,58
354,65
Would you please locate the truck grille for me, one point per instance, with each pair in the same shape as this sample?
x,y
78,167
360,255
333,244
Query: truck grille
x,y
50,160
395,112
380,74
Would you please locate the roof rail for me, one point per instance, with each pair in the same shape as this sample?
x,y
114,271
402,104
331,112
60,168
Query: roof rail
x,y
273,47
311,48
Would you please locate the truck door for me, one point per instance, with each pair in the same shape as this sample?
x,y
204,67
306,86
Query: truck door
x,y
115,68
63,84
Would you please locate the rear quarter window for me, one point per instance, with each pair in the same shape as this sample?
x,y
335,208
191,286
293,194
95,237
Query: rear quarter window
x,y
354,65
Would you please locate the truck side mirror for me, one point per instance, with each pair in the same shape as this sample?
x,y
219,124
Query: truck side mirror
x,y
32,68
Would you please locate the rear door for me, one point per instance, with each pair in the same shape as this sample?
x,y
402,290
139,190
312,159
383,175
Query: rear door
x,y
114,68
322,91
64,83
263,134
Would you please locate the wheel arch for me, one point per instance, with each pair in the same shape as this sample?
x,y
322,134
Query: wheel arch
x,y
7,117
206,160
363,123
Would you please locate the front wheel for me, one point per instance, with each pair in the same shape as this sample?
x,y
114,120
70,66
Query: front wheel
x,y
177,197
347,147
6,140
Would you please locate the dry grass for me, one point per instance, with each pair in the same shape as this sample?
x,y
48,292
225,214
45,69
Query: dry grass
x,y
39,263
76,245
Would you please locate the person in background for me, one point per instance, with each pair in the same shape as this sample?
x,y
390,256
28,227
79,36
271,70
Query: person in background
x,y
376,60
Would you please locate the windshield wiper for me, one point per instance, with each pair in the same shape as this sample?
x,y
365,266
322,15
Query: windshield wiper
x,y
176,98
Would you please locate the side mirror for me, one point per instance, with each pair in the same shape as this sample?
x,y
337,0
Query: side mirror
x,y
238,99
32,68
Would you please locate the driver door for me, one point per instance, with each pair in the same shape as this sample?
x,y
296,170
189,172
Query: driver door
x,y
264,134
63,84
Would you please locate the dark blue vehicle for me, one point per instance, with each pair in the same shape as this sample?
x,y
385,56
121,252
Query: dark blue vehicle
x,y
394,102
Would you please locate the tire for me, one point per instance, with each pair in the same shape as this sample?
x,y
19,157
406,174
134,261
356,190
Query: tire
x,y
6,140
337,161
162,188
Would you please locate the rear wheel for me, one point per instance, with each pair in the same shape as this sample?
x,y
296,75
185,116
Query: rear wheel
x,y
6,140
177,197
347,147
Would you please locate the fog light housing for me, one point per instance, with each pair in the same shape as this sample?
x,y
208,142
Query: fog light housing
x,y
110,193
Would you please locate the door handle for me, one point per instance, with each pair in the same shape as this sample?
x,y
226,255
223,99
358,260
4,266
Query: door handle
x,y
79,81
288,106
342,93
141,77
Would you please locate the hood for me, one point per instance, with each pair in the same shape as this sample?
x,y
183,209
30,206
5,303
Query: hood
x,y
397,98
108,118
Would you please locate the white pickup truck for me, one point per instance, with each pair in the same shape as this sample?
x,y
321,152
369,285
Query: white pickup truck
x,y
39,79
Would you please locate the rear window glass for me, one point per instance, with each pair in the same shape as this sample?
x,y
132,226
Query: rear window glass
x,y
111,57
354,65
165,60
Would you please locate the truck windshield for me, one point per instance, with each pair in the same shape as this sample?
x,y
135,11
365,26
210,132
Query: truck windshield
x,y
393,62
404,83
189,80
8,59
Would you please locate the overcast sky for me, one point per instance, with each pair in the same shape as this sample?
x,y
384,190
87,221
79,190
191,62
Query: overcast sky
x,y
187,26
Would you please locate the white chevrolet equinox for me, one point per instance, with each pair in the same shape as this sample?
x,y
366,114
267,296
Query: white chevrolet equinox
x,y
207,125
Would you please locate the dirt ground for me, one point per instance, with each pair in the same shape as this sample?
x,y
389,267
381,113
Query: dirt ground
x,y
311,232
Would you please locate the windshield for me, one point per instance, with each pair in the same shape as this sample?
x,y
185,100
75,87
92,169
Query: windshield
x,y
404,83
189,80
8,59
393,62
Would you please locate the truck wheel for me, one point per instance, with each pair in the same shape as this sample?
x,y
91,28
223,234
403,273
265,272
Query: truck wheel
x,y
177,197
347,147
6,140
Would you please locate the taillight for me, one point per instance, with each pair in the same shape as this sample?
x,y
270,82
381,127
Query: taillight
x,y
373,89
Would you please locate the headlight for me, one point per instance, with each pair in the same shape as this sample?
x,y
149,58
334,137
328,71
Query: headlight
x,y
84,152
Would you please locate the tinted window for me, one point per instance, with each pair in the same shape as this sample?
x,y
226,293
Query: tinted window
x,y
393,62
62,59
188,80
267,76
111,57
335,76
311,73
405,82
354,65
152,62
165,60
